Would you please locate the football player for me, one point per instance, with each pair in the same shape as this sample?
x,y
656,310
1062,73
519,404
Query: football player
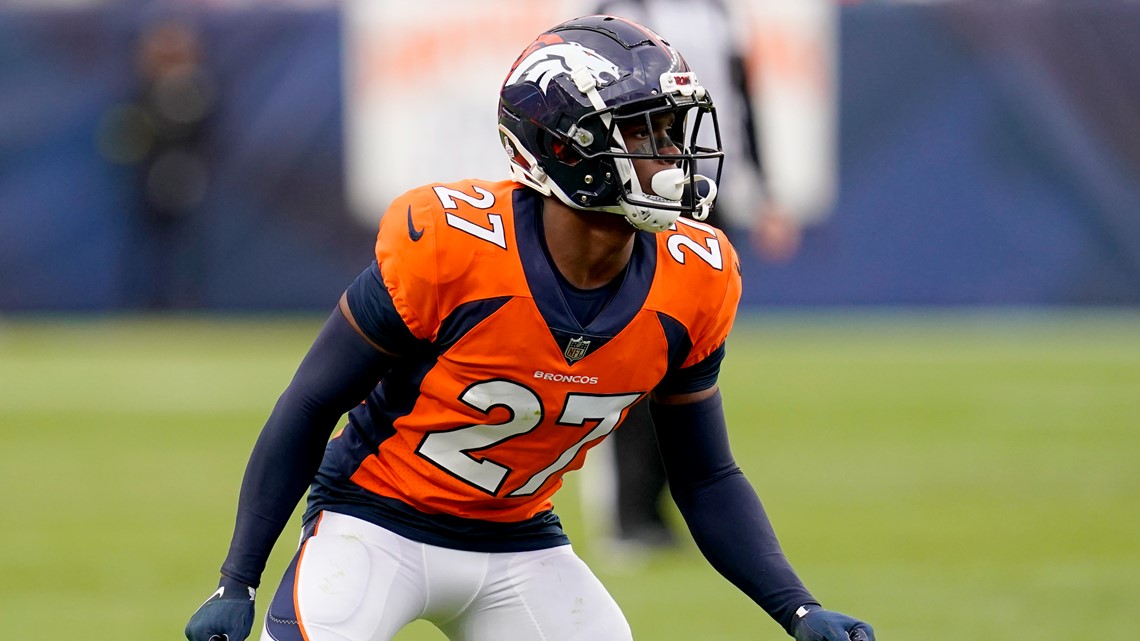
x,y
504,330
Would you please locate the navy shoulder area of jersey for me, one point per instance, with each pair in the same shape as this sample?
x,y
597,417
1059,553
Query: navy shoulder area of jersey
x,y
376,316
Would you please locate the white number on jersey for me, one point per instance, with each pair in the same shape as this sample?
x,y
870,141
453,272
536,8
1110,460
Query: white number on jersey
x,y
710,253
482,199
579,409
454,450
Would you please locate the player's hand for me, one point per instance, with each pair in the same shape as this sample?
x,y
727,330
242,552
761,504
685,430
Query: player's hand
x,y
817,624
226,616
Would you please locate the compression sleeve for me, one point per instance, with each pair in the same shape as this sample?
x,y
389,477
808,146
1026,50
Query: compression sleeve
x,y
722,509
339,371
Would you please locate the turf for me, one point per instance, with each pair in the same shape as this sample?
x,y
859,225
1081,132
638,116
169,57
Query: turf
x,y
945,475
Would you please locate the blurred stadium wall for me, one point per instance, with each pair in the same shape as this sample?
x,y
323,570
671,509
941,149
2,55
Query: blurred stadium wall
x,y
989,155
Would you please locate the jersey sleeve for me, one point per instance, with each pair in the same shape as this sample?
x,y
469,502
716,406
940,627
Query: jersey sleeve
x,y
722,302
443,245
699,376
406,254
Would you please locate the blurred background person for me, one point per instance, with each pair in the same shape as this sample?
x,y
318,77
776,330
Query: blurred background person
x,y
718,39
717,43
164,135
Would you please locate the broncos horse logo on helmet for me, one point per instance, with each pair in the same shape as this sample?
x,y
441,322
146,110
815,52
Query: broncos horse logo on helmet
x,y
546,62
562,102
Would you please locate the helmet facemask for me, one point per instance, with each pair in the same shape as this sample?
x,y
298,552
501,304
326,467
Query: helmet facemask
x,y
681,189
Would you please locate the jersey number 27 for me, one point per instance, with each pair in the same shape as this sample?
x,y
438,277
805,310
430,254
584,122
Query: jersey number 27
x,y
456,451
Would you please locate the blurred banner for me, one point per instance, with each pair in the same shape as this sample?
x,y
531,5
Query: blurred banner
x,y
422,90
795,81
987,154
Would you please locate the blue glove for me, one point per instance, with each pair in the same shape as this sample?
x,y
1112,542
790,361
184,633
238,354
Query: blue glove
x,y
226,616
813,623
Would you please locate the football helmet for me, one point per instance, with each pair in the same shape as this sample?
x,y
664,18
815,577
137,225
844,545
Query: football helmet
x,y
566,100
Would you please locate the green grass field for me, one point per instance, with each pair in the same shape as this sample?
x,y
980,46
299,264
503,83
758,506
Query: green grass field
x,y
944,475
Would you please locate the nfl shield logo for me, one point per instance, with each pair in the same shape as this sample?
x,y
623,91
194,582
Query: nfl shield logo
x,y
576,348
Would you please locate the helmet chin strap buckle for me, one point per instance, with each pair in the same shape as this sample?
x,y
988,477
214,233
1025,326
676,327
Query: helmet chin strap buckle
x,y
704,205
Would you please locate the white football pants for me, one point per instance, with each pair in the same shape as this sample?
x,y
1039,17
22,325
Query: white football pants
x,y
355,581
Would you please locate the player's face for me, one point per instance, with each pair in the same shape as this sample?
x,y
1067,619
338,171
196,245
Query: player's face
x,y
641,137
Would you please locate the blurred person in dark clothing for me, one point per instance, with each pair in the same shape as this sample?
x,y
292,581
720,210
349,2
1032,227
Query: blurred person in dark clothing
x,y
705,30
164,134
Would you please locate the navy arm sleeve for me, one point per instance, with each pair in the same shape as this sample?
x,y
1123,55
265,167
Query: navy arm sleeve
x,y
339,371
722,509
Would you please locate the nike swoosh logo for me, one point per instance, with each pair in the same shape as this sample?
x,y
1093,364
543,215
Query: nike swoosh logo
x,y
413,233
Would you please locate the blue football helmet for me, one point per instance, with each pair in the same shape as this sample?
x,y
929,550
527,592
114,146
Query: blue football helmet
x,y
564,99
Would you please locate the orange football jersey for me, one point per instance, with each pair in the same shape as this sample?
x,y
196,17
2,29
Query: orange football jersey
x,y
515,391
